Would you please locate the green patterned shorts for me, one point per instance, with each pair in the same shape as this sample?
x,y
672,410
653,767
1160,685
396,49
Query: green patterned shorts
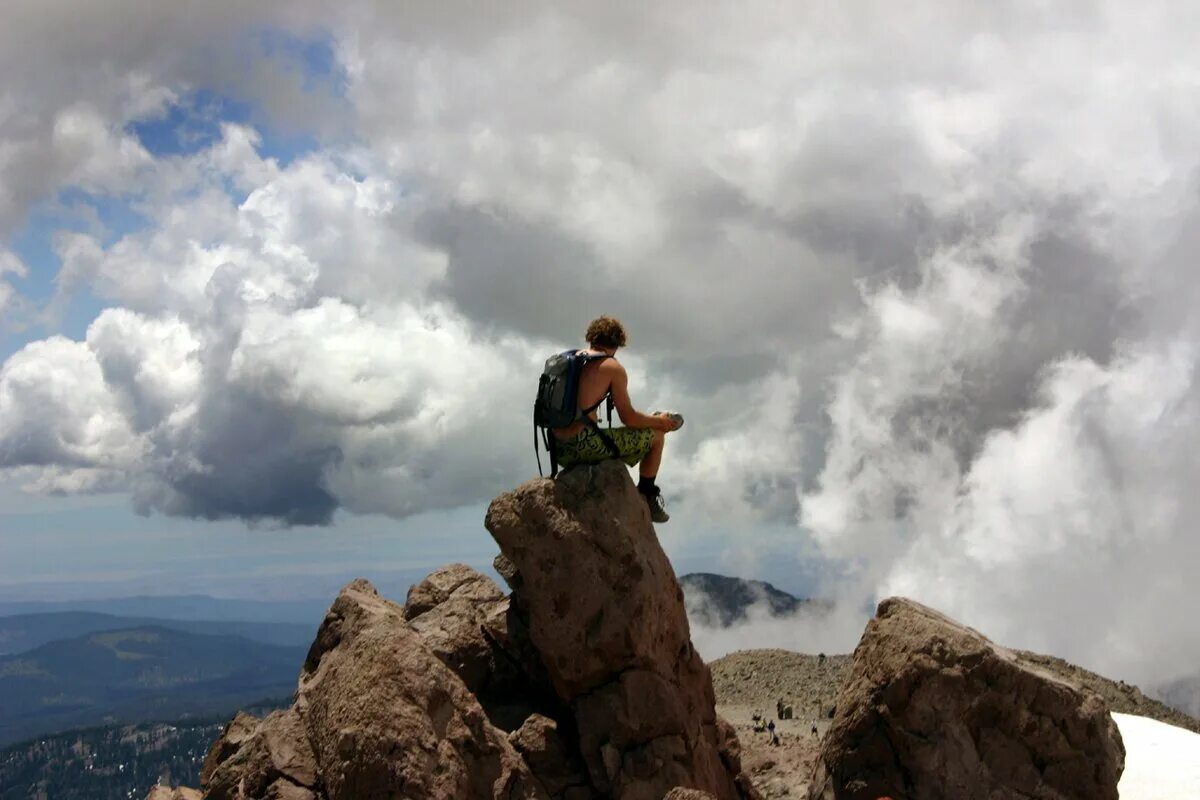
x,y
588,448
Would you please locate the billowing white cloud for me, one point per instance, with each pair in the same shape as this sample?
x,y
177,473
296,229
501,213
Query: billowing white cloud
x,y
269,359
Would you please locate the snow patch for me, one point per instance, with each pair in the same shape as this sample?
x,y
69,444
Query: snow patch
x,y
1162,762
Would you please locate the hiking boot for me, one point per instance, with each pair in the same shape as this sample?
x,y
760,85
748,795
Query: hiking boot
x,y
658,507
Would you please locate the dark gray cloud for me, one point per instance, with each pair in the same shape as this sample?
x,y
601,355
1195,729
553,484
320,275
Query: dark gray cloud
x,y
249,461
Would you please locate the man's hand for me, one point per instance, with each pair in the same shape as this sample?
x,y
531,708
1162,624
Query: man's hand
x,y
675,418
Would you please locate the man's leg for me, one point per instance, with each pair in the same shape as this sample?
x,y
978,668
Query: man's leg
x,y
648,470
644,448
649,466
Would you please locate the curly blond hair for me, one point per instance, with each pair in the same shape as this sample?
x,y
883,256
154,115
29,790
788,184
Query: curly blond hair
x,y
605,332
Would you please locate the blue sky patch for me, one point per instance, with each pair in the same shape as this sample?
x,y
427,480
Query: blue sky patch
x,y
194,124
106,218
189,126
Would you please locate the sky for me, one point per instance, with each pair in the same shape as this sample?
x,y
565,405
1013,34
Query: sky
x,y
276,281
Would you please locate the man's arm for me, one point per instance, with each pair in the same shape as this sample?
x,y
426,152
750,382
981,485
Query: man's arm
x,y
630,416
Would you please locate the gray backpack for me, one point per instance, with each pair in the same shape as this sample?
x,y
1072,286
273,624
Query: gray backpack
x,y
557,404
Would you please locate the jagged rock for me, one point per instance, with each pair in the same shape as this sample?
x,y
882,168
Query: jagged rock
x,y
451,582
467,622
387,718
167,793
377,714
606,615
932,709
271,760
552,758
450,610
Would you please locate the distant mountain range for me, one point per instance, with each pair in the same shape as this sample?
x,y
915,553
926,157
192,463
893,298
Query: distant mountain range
x,y
184,607
23,632
135,674
719,601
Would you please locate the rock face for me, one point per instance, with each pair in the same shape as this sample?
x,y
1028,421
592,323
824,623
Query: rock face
x,y
606,615
933,710
582,684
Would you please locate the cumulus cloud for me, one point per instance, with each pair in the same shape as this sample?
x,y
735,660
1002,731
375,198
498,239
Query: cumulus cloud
x,y
257,367
922,285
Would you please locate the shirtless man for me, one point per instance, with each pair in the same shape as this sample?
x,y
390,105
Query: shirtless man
x,y
640,441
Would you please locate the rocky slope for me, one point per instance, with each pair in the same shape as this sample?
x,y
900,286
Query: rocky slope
x,y
582,683
1119,695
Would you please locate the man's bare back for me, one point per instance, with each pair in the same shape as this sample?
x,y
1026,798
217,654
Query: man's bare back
x,y
595,382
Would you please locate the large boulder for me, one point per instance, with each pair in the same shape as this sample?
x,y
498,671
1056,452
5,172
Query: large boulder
x,y
932,710
377,714
606,615
387,718
452,610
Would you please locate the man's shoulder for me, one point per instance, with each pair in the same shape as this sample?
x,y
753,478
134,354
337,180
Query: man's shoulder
x,y
611,364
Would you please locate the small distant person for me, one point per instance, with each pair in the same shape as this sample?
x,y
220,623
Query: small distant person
x,y
640,442
814,730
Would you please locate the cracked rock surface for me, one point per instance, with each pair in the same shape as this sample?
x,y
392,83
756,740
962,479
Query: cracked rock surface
x,y
933,709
